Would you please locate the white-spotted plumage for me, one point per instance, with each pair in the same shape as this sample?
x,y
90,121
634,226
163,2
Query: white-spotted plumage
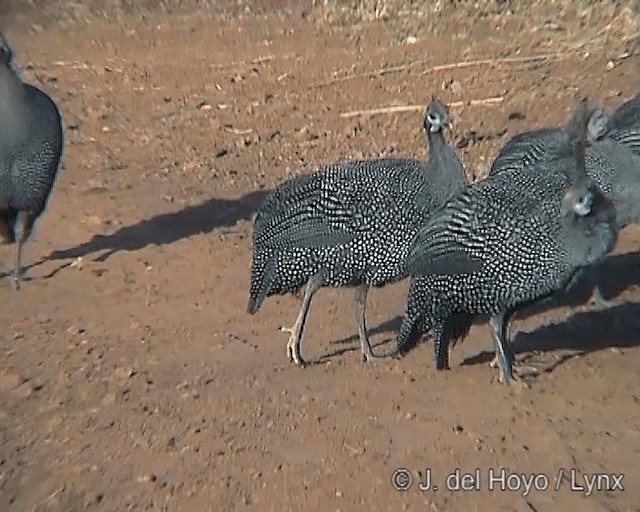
x,y
349,224
504,243
31,147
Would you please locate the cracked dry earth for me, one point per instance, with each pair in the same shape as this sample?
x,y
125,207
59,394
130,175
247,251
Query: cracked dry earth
x,y
131,377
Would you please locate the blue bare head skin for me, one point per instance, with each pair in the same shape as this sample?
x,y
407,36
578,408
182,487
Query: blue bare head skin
x,y
436,116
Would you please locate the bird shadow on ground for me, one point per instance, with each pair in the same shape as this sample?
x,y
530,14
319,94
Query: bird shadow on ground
x,y
389,326
165,228
580,334
614,275
375,348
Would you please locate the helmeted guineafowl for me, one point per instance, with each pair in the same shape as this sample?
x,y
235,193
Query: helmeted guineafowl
x,y
349,224
510,240
612,161
31,143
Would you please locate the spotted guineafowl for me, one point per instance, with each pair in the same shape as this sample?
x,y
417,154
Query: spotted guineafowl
x,y
349,224
612,162
31,143
508,241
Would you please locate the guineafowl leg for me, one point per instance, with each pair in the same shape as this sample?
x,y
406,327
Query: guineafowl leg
x,y
24,224
7,236
293,345
360,301
498,325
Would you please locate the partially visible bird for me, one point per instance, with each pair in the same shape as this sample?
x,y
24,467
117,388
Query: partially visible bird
x,y
624,124
31,145
612,162
349,224
508,241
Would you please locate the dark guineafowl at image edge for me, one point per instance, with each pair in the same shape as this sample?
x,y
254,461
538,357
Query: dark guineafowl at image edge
x,y
31,146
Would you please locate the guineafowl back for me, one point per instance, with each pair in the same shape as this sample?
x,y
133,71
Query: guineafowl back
x,y
526,149
610,161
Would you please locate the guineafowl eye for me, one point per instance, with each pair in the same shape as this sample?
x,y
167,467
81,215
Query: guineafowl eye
x,y
434,121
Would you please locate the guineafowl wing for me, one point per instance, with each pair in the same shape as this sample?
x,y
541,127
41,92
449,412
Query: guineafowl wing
x,y
444,244
331,207
624,124
626,115
529,148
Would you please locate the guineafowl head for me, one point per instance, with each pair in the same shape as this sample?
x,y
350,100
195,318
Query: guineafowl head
x,y
598,125
436,117
585,199
589,223
578,200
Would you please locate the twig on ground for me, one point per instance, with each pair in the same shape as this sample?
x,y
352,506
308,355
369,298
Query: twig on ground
x,y
370,74
497,61
496,100
453,65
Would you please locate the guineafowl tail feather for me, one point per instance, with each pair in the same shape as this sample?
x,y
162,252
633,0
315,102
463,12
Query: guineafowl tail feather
x,y
261,282
411,330
454,330
441,352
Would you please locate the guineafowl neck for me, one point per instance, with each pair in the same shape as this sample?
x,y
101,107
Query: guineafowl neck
x,y
446,171
436,142
12,107
11,88
588,240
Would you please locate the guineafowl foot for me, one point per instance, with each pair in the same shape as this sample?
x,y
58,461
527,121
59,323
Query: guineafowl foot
x,y
16,277
517,380
13,277
516,364
601,303
520,370
398,353
293,346
367,353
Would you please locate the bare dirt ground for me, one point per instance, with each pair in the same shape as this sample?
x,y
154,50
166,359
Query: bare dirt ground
x,y
131,377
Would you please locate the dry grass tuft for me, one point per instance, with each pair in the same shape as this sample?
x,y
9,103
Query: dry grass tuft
x,y
416,15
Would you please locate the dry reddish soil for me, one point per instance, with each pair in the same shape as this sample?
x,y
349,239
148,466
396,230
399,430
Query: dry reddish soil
x,y
131,377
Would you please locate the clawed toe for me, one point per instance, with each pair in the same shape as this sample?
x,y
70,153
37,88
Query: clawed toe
x,y
517,380
293,349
